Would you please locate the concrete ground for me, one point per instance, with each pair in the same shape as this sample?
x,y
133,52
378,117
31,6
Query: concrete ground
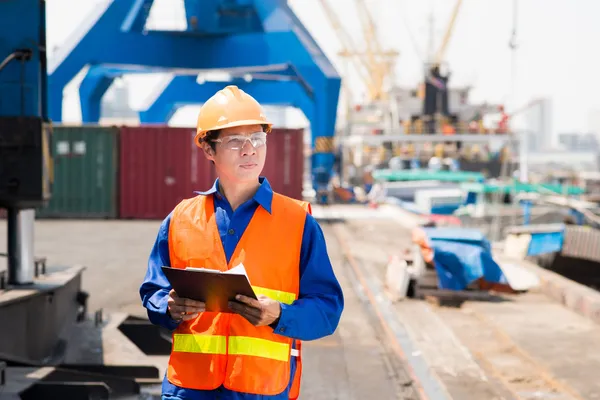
x,y
115,254
504,347
525,346
354,363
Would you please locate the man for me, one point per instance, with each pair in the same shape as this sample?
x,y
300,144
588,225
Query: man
x,y
253,352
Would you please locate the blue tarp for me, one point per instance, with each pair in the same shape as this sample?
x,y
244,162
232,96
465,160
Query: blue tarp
x,y
545,242
461,235
446,209
462,256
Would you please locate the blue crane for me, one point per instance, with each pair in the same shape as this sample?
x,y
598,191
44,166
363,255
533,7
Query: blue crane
x,y
247,36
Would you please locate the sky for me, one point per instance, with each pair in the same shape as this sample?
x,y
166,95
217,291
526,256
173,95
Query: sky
x,y
555,57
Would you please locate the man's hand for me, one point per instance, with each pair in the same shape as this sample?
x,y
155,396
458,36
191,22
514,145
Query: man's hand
x,y
182,309
261,312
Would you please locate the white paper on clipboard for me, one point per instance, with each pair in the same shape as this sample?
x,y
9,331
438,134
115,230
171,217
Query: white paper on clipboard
x,y
237,270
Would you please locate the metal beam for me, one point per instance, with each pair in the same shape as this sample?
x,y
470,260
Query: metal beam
x,y
436,138
99,78
283,40
22,59
255,46
183,90
91,91
277,47
221,17
114,70
136,18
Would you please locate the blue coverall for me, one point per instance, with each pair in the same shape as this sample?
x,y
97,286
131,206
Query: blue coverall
x,y
314,315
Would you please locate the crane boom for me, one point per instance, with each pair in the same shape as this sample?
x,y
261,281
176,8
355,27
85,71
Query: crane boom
x,y
382,62
349,47
449,29
373,63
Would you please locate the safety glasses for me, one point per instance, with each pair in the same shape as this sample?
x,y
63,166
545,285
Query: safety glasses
x,y
237,142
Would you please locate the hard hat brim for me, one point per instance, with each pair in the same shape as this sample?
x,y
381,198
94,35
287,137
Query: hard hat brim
x,y
201,133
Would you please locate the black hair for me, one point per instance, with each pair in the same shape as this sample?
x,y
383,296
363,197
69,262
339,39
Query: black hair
x,y
210,137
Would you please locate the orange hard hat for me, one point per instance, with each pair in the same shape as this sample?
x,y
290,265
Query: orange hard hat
x,y
229,107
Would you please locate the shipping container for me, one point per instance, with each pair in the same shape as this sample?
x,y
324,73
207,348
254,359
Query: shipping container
x,y
284,166
85,173
159,167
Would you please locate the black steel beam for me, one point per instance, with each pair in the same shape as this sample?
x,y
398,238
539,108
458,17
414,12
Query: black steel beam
x,y
2,373
148,337
123,371
67,390
118,386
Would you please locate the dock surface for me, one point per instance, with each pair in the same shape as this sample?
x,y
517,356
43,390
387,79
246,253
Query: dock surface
x,y
523,346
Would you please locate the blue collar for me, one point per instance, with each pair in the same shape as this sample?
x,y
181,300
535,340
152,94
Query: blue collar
x,y
263,196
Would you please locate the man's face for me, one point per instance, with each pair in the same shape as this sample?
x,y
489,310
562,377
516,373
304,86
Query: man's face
x,y
235,158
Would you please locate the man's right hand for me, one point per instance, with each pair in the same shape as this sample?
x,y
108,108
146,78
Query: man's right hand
x,y
182,309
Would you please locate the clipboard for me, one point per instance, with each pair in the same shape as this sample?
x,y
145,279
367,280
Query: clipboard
x,y
214,288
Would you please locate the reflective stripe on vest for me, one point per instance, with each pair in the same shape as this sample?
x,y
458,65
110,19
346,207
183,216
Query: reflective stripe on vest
x,y
282,297
242,345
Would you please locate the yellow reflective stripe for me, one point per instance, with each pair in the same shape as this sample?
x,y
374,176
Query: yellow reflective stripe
x,y
282,297
207,344
249,346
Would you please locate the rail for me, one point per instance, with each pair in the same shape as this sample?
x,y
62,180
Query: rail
x,y
437,137
580,206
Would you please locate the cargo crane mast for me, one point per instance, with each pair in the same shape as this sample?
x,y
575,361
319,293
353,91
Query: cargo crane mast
x,y
370,69
447,35
436,86
381,63
349,48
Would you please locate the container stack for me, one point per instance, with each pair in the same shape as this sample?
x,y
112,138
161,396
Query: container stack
x,y
142,172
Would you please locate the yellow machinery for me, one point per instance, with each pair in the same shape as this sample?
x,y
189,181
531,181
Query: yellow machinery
x,y
374,65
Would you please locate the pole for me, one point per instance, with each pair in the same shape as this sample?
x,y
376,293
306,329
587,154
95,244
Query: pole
x,y
20,246
523,140
430,49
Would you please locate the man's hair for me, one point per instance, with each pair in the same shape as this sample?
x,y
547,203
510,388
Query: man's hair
x,y
210,136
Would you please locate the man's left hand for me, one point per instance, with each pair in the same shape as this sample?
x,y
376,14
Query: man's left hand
x,y
261,312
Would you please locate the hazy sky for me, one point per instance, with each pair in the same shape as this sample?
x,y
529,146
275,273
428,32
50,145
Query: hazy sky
x,y
556,55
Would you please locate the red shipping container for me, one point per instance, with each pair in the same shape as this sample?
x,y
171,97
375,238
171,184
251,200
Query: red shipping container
x,y
159,167
284,167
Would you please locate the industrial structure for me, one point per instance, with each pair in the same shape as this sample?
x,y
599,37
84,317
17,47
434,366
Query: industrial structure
x,y
260,42
26,161
38,306
493,342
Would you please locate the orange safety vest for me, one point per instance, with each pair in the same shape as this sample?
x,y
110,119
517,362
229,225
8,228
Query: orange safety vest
x,y
218,349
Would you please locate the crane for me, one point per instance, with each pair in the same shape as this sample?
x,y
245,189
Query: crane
x,y
349,47
381,62
437,61
366,63
436,86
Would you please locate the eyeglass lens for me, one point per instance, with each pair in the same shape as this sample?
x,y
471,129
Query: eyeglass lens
x,y
238,142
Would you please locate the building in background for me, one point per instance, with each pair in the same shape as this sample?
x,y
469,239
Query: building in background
x,y
593,123
579,141
537,119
